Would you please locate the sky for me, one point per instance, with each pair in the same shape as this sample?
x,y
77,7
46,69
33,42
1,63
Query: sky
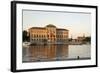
x,y
77,23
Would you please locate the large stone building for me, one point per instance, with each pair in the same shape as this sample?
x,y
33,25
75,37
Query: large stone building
x,y
48,34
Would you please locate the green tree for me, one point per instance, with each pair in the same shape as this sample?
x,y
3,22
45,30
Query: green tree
x,y
25,36
87,39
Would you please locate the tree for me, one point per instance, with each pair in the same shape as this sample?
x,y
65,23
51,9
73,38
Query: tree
x,y
87,39
25,36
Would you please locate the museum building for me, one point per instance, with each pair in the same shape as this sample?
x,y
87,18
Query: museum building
x,y
48,34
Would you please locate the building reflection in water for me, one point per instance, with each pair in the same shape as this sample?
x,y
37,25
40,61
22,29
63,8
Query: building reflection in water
x,y
45,53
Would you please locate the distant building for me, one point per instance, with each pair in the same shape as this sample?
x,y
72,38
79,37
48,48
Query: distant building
x,y
81,38
49,33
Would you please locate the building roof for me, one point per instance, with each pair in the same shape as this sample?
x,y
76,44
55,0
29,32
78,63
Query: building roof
x,y
51,25
37,28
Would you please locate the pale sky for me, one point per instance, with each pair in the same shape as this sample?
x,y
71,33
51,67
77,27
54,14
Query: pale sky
x,y
77,23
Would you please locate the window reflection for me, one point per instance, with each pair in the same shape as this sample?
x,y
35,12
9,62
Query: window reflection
x,y
45,53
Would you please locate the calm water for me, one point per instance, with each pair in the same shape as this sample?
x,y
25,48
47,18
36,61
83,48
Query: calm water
x,y
40,53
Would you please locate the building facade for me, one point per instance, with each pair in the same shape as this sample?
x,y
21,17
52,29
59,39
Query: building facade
x,y
48,34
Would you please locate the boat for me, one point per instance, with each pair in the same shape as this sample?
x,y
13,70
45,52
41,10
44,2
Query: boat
x,y
26,44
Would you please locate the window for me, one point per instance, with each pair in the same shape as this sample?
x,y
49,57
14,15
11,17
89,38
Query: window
x,y
34,36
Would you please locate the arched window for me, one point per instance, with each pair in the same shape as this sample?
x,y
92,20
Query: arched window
x,y
39,36
44,36
47,35
34,36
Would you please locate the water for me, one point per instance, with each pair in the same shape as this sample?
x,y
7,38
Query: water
x,y
40,53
